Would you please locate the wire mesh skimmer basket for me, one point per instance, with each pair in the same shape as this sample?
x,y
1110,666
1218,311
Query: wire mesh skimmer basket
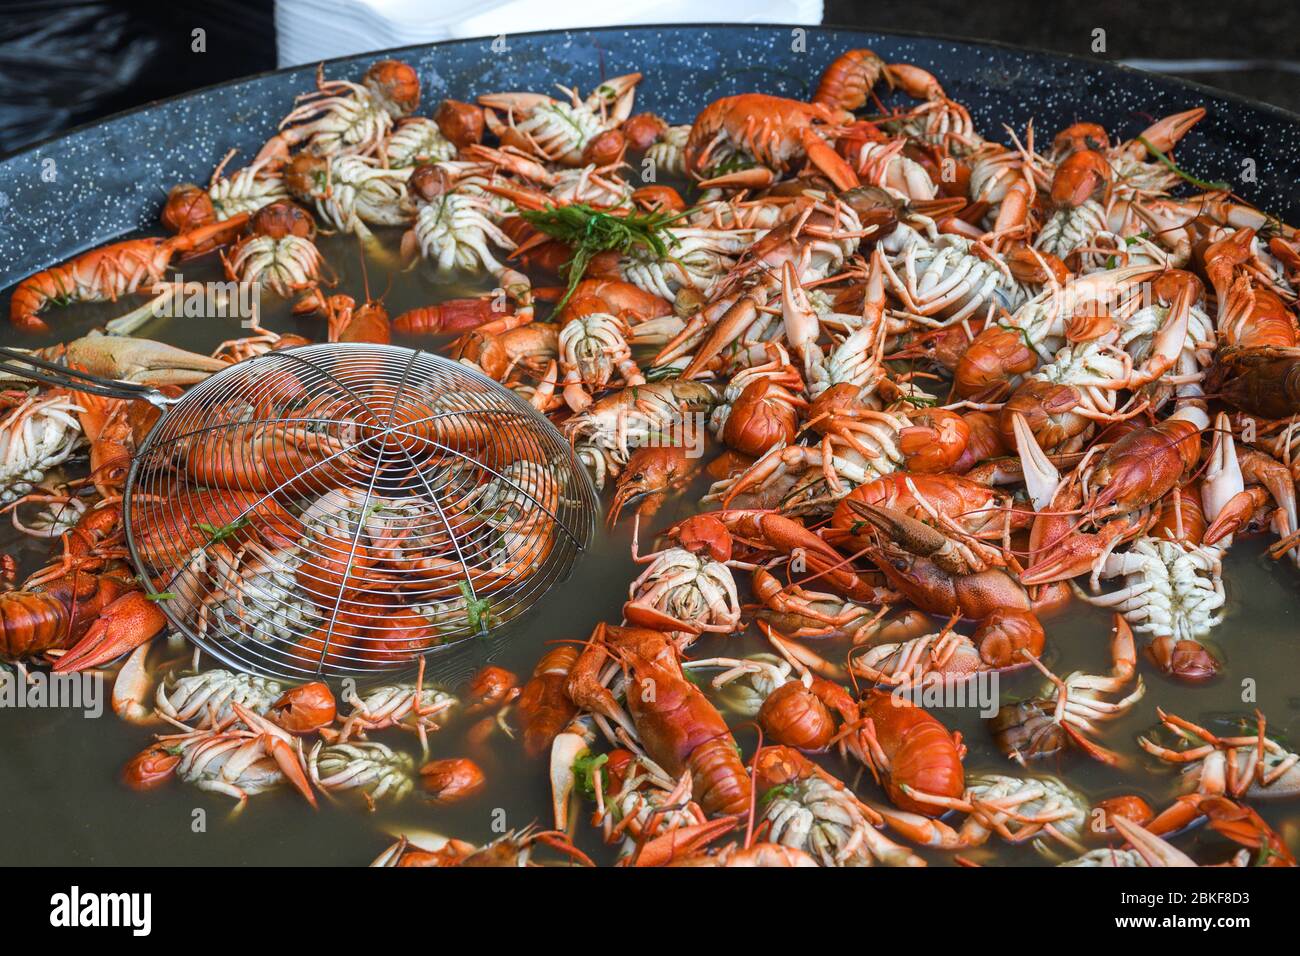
x,y
341,510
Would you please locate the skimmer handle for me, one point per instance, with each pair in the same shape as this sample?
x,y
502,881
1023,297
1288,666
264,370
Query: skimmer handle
x,y
60,376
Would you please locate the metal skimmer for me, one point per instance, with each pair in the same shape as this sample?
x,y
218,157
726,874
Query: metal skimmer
x,y
341,510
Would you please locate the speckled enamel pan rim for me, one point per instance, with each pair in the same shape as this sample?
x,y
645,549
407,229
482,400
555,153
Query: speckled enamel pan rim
x,y
111,176
395,52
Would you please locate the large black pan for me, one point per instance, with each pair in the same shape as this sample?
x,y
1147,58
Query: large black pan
x,y
103,180
99,182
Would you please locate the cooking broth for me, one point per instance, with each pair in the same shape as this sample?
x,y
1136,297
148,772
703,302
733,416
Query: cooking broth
x,y
62,802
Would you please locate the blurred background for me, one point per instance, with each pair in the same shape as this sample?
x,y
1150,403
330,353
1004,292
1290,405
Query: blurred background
x,y
66,63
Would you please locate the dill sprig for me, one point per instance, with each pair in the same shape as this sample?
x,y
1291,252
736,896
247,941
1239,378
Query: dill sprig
x,y
1213,187
732,164
658,373
590,231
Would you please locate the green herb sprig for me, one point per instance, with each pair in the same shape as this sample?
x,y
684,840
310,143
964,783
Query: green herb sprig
x,y
732,164
590,231
584,770
222,532
478,611
1214,187
780,790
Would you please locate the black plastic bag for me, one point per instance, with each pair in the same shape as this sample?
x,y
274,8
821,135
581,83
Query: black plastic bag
x,y
59,62
66,63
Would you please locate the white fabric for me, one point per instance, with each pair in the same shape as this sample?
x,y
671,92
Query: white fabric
x,y
312,30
